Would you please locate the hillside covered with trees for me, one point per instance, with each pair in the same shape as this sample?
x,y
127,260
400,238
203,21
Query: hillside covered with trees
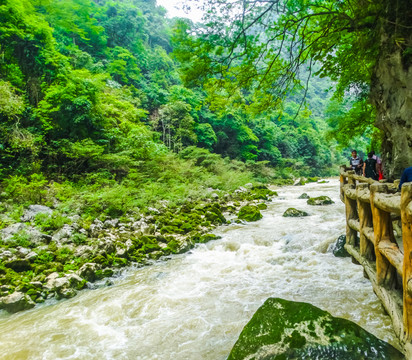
x,y
92,95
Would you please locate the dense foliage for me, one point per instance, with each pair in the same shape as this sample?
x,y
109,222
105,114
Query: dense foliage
x,y
91,97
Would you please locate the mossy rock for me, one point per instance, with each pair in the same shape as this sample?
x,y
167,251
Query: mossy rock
x,y
282,329
320,200
262,206
208,237
339,247
292,212
249,213
304,196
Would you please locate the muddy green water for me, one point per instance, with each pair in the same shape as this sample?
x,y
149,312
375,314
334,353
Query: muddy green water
x,y
195,305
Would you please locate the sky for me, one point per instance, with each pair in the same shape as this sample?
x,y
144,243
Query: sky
x,y
174,9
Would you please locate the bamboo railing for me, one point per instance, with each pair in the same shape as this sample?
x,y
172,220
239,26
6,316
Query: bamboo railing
x,y
373,209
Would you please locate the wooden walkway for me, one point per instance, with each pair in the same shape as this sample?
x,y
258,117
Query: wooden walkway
x,y
379,237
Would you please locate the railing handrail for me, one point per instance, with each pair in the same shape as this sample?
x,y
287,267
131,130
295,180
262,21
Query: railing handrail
x,y
371,207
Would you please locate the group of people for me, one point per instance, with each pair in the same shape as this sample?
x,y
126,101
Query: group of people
x,y
370,168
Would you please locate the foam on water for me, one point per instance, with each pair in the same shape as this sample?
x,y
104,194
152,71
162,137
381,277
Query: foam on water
x,y
195,305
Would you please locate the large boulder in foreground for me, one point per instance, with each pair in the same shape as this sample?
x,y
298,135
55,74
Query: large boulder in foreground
x,y
287,330
320,200
249,213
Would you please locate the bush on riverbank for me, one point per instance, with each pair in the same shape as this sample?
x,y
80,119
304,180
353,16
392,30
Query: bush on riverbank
x,y
82,231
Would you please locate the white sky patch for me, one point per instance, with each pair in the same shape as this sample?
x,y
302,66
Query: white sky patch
x,y
175,9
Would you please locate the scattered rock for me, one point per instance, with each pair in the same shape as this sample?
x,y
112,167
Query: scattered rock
x,y
64,234
249,213
320,200
338,248
282,329
111,223
304,196
8,232
31,212
292,212
16,302
88,271
19,265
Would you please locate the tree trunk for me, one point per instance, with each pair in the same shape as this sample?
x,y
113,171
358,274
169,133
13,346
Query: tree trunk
x,y
391,88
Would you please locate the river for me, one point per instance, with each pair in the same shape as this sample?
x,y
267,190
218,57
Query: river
x,y
194,306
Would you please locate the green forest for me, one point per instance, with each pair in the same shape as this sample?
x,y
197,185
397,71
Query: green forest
x,y
97,112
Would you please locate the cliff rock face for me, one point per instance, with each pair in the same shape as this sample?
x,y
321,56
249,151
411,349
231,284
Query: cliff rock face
x,y
392,96
391,89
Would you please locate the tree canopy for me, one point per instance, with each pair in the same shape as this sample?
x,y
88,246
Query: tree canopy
x,y
263,46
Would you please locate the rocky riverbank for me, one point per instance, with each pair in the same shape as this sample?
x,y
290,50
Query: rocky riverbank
x,y
49,256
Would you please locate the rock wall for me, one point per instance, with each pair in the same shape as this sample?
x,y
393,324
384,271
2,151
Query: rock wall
x,y
391,90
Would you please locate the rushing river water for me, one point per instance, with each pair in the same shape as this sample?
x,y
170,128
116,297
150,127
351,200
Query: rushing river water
x,y
194,306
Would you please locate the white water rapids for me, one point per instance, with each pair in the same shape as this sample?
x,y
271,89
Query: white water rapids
x,y
194,306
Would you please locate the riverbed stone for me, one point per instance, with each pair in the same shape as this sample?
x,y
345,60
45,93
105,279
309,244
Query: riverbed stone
x,y
7,233
15,302
88,271
320,200
304,196
282,329
338,248
18,265
31,212
292,212
64,234
249,213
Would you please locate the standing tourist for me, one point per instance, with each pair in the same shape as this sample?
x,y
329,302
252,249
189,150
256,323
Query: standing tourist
x,y
379,165
370,167
356,163
406,176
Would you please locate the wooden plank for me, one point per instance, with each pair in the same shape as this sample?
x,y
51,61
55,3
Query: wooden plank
x,y
391,299
408,209
406,200
351,214
363,179
363,194
354,224
392,252
349,191
368,232
382,226
365,221
388,202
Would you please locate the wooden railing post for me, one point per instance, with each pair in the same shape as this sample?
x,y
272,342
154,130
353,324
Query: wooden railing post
x,y
406,199
351,213
383,231
343,182
365,220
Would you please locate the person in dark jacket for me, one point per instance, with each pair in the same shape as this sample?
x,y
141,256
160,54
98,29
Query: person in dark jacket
x,y
370,167
406,176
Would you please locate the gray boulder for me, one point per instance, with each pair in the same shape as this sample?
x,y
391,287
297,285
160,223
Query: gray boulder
x,y
292,212
33,234
16,302
88,271
320,200
31,212
7,233
64,234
